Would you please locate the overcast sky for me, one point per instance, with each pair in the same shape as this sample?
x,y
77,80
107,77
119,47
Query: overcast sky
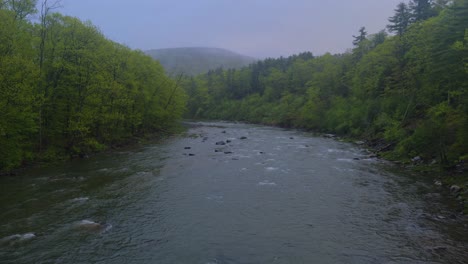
x,y
258,28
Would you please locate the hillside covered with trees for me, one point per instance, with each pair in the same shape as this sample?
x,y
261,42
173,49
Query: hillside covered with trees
x,y
406,92
193,61
67,90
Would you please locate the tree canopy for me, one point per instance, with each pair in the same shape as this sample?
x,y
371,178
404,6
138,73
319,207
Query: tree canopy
x,y
406,92
67,90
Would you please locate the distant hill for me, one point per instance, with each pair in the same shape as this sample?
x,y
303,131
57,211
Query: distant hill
x,y
192,61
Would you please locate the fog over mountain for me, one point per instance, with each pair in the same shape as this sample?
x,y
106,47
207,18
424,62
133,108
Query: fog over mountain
x,y
196,60
257,28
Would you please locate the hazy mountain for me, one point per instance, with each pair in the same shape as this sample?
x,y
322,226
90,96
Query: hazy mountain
x,y
194,61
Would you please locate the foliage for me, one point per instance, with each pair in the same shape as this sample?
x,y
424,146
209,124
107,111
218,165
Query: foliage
x,y
65,88
407,90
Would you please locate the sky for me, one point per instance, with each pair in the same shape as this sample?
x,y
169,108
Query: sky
x,y
257,28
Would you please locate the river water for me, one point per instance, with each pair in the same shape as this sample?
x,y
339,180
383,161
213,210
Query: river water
x,y
277,196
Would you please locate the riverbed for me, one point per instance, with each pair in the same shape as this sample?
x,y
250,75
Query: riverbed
x,y
229,193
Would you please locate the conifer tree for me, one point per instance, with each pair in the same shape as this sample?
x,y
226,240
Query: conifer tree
x,y
361,37
401,20
421,9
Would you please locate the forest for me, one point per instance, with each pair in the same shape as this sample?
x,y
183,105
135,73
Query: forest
x,y
404,92
66,90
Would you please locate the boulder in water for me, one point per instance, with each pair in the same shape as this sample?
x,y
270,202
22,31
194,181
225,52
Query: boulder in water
x,y
455,189
220,143
89,225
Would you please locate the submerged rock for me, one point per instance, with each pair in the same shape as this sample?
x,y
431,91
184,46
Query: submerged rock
x,y
243,138
220,143
455,189
89,225
187,148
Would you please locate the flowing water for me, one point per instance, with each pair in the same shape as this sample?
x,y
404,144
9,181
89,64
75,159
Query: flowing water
x,y
276,196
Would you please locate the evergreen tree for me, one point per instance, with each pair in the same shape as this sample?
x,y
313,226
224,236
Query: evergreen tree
x,y
401,20
421,10
361,37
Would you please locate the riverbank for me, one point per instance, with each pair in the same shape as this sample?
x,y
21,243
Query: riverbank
x,y
453,179
54,156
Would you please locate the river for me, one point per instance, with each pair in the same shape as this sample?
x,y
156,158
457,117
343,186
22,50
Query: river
x,y
274,196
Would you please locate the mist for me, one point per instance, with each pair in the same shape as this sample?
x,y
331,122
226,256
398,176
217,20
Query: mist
x,y
258,28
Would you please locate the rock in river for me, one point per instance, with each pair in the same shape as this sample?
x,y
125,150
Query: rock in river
x,y
455,189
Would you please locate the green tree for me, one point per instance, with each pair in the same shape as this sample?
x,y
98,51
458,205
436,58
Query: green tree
x,y
21,8
421,10
401,20
361,37
17,99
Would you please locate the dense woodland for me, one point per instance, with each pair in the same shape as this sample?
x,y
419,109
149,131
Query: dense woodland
x,y
66,90
407,91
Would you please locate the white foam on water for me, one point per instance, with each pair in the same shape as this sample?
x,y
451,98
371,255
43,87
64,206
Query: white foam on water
x,y
80,199
271,169
87,222
266,183
215,198
107,227
27,236
345,160
18,237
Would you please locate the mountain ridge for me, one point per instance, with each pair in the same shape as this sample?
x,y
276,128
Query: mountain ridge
x,y
198,60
